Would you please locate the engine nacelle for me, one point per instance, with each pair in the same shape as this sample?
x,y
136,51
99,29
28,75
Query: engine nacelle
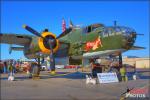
x,y
44,43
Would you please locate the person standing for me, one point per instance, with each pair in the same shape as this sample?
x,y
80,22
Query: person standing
x,y
10,68
92,67
123,73
14,66
5,67
95,67
11,74
29,70
48,65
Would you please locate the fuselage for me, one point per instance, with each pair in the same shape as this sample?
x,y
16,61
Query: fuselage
x,y
99,38
95,37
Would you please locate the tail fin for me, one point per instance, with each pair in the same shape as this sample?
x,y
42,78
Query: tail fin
x,y
63,25
71,24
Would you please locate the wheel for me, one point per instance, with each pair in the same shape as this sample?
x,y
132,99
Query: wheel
x,y
35,70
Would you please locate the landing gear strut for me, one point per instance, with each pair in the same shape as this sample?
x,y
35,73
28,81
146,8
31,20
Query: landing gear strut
x,y
36,69
120,60
116,68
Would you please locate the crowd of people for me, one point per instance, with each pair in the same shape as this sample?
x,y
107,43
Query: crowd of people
x,y
8,66
14,66
11,67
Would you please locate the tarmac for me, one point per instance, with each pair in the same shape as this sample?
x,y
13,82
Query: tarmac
x,y
68,84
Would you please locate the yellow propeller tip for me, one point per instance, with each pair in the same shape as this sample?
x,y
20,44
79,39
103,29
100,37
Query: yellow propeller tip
x,y
24,26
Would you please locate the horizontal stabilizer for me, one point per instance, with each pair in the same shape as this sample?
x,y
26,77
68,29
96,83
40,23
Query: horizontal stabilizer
x,y
15,49
137,48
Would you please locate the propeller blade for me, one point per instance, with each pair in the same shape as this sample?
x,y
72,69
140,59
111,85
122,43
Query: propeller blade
x,y
68,30
52,62
32,31
52,58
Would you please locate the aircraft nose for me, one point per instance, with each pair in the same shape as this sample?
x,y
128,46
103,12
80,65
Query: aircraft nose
x,y
129,39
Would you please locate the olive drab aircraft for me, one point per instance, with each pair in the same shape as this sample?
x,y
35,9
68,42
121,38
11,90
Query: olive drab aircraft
x,y
75,42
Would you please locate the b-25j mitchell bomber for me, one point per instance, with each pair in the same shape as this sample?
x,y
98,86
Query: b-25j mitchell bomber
x,y
92,41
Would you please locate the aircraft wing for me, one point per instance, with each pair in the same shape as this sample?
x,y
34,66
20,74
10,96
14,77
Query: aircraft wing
x,y
102,53
17,39
137,48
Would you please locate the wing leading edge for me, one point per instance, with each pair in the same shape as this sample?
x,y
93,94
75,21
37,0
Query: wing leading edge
x,y
102,53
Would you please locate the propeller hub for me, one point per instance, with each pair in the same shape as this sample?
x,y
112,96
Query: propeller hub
x,y
47,40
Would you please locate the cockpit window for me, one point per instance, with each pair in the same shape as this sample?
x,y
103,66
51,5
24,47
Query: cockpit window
x,y
108,31
126,29
117,30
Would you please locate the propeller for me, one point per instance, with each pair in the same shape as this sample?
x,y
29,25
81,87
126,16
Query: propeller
x,y
50,42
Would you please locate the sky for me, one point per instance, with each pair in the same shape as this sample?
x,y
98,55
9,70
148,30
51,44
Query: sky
x,y
43,14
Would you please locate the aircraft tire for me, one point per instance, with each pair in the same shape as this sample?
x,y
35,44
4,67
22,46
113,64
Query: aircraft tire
x,y
35,70
95,71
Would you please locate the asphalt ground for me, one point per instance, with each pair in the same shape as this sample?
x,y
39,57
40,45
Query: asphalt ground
x,y
66,85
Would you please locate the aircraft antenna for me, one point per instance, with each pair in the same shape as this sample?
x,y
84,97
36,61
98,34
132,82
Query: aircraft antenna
x,y
115,23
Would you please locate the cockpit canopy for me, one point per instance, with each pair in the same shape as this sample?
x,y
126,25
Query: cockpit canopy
x,y
92,27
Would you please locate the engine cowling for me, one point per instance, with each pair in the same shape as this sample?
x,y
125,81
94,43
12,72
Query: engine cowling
x,y
44,43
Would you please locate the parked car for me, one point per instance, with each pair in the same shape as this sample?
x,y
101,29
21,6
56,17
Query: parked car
x,y
70,66
60,66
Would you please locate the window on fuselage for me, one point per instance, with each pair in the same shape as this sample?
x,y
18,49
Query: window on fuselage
x,y
108,31
117,29
105,32
111,31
